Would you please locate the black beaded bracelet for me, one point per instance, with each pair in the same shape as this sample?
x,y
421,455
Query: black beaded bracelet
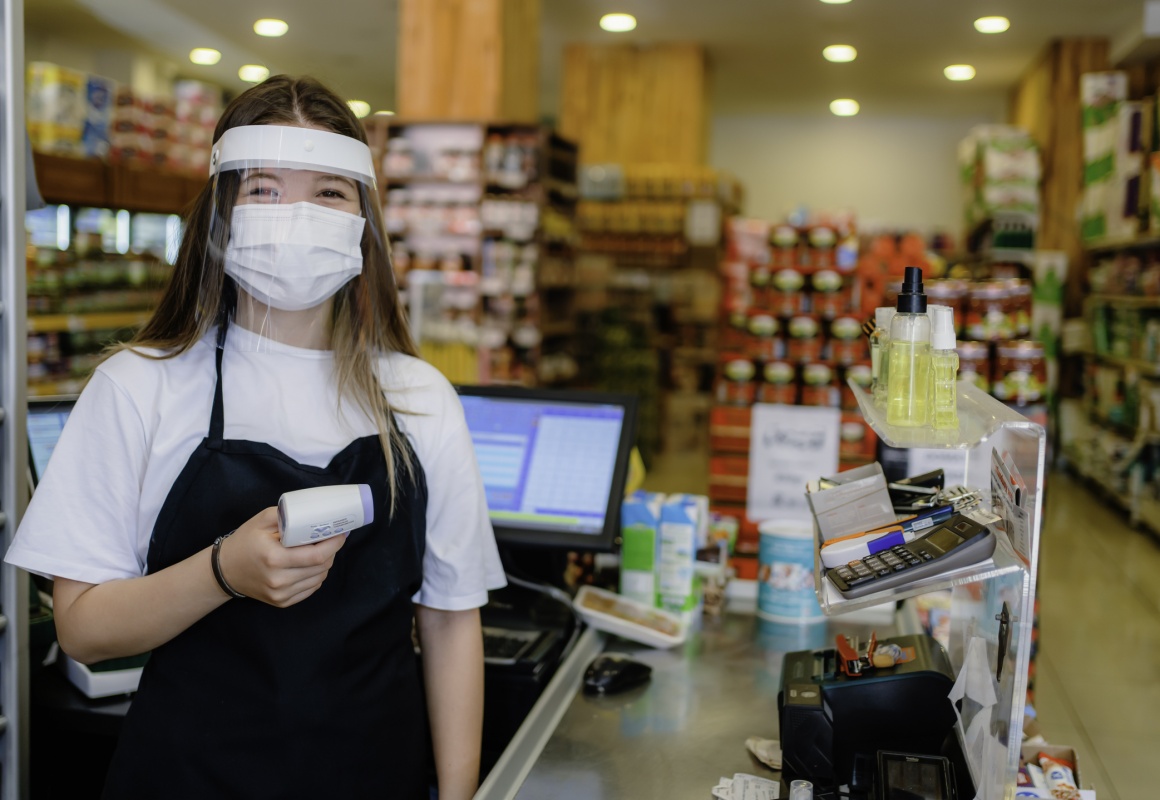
x,y
215,560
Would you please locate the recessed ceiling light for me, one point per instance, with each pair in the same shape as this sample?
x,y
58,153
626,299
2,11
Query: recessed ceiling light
x,y
253,73
618,23
839,53
836,2
271,27
206,56
992,24
844,107
360,107
384,113
959,72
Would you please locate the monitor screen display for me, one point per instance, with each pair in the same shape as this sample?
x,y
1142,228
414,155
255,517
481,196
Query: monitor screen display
x,y
45,422
553,464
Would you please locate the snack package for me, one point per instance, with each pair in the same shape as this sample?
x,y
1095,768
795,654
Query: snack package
x,y
640,517
1060,777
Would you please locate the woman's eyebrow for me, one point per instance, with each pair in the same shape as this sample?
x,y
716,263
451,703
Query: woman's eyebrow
x,y
266,175
347,181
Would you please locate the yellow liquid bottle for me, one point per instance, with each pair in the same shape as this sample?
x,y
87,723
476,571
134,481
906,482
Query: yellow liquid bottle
x,y
908,387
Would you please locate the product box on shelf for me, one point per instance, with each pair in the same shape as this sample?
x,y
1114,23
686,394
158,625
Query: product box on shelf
x,y
56,108
728,478
729,429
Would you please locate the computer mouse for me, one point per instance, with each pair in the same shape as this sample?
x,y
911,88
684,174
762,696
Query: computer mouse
x,y
610,673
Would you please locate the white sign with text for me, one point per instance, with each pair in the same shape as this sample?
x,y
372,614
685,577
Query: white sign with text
x,y
788,446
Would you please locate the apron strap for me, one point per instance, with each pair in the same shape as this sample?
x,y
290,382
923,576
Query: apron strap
x,y
217,418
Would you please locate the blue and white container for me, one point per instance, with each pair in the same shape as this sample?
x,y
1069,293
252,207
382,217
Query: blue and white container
x,y
785,557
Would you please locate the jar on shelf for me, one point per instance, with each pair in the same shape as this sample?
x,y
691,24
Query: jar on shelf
x,y
951,293
975,363
830,297
786,295
1020,372
736,386
989,311
764,344
805,339
847,343
862,376
819,385
779,384
1020,304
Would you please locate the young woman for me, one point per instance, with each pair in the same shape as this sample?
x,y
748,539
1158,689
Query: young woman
x,y
278,359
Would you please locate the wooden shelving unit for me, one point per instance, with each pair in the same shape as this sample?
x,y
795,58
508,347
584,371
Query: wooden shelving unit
x,y
87,182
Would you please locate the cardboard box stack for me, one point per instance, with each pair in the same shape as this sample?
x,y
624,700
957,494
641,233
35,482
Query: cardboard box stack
x,y
75,114
1000,172
1117,136
790,333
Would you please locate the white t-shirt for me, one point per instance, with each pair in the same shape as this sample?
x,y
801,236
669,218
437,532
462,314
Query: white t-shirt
x,y
139,420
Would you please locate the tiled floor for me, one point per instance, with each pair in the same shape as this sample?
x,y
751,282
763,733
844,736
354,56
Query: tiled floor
x,y
1098,682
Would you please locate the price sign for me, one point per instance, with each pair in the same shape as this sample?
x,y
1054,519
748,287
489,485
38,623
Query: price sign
x,y
788,446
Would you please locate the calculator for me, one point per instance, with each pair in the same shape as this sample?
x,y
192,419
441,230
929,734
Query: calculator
x,y
958,542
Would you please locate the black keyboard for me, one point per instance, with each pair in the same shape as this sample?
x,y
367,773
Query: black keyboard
x,y
508,646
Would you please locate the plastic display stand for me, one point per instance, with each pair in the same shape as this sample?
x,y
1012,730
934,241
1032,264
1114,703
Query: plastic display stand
x,y
981,592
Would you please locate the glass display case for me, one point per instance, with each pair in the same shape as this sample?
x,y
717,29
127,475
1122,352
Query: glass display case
x,y
992,602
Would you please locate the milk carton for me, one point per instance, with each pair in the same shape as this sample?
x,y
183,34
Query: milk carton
x,y
640,519
683,530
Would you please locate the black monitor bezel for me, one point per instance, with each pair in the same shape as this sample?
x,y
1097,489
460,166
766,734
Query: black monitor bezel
x,y
608,538
46,404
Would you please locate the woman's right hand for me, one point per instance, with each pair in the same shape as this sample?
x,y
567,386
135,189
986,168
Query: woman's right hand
x,y
255,563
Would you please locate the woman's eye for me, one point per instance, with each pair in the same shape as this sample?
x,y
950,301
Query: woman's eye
x,y
333,194
262,191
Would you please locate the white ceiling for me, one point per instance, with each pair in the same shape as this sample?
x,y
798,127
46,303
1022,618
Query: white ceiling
x,y
764,55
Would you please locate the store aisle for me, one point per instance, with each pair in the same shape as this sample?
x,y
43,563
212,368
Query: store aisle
x,y
1098,685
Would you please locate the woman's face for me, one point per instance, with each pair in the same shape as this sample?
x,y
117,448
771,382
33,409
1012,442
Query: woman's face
x,y
282,186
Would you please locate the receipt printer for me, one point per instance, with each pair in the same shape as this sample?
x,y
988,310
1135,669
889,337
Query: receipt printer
x,y
835,716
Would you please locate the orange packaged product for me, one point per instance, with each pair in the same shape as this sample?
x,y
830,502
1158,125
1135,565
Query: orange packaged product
x,y
805,339
847,341
819,385
787,293
823,242
784,239
735,383
729,429
856,439
861,376
763,341
728,478
778,384
735,331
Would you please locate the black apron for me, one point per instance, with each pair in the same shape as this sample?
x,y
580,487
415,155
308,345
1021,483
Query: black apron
x,y
321,699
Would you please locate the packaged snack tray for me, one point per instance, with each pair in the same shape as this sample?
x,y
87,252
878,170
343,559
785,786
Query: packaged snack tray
x,y
610,612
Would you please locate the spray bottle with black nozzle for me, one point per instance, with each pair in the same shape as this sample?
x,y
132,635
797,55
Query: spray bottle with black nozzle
x,y
908,392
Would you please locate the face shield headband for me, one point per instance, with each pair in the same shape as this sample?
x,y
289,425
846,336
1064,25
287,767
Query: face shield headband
x,y
284,253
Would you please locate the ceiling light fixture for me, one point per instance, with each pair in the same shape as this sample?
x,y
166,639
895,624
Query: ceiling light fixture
x,y
844,107
361,108
618,23
959,72
206,56
835,2
253,73
992,24
271,27
384,113
839,53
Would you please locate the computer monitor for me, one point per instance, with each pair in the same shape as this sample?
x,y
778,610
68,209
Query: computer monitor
x,y
46,420
553,462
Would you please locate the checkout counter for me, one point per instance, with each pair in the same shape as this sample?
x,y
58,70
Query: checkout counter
x,y
674,736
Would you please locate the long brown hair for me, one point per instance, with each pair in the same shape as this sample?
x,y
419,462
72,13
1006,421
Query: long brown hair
x,y
367,320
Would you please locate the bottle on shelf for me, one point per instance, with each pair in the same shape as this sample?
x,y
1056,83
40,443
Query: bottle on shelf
x,y
880,352
944,367
908,390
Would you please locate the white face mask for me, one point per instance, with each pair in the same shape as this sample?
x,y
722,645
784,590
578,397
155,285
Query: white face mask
x,y
293,256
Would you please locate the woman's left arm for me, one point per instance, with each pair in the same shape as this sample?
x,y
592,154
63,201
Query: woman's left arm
x,y
452,644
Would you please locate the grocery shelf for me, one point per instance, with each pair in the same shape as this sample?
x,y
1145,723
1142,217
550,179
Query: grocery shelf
x,y
1109,243
980,415
1147,367
78,323
1136,301
1003,562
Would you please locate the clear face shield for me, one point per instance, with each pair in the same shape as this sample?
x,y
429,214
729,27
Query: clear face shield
x,y
295,220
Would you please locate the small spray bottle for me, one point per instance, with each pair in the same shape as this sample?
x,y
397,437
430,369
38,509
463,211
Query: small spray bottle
x,y
880,353
944,368
908,392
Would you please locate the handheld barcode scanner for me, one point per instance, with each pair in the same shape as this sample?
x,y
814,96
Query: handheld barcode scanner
x,y
312,515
